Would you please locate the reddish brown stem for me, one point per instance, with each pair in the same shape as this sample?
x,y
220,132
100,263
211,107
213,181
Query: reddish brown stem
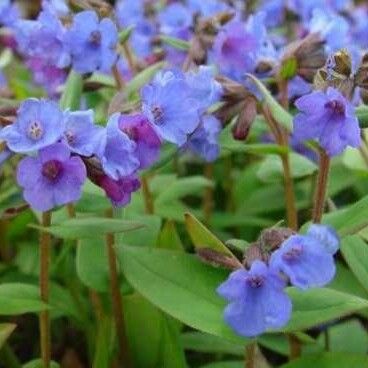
x,y
321,187
147,196
45,243
117,303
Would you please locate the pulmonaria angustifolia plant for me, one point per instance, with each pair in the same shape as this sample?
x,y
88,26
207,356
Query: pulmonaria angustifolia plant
x,y
198,161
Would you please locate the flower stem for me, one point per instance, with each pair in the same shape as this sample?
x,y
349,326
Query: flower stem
x,y
281,138
207,203
250,355
117,303
147,196
321,187
45,243
295,347
120,84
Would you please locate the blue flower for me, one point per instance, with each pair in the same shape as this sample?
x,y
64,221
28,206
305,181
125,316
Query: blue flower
x,y
205,88
207,8
305,260
81,135
51,179
257,300
326,235
117,151
39,123
169,106
330,118
129,13
57,7
173,17
274,10
204,141
9,13
92,43
332,28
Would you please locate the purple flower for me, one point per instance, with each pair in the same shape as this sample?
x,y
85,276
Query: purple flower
x,y
39,123
82,136
119,191
92,43
234,49
139,130
169,106
43,39
330,118
257,300
305,260
204,140
204,87
117,151
326,235
274,10
53,178
207,8
48,76
129,13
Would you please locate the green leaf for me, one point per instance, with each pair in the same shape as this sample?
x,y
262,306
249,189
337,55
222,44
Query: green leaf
x,y
271,168
39,364
354,250
320,305
89,227
6,329
159,345
180,285
169,237
353,160
177,43
349,220
92,264
104,343
362,115
143,77
288,68
349,337
256,148
103,79
202,237
70,99
329,360
17,298
182,187
278,112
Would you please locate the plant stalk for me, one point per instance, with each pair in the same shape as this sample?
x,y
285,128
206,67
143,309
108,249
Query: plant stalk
x,y
250,355
321,187
45,336
147,196
117,303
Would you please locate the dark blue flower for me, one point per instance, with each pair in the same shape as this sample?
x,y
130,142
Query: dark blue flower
x,y
92,43
257,299
305,260
330,118
169,106
39,123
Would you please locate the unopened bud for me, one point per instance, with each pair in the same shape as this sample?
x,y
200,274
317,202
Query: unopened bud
x,y
245,119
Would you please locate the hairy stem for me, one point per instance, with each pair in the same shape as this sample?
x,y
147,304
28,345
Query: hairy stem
x,y
281,138
207,203
321,187
250,355
117,303
147,196
45,243
294,346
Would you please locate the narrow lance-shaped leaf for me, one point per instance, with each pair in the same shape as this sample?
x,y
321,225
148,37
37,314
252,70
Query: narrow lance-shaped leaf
x,y
70,99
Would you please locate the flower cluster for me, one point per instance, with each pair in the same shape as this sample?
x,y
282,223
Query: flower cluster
x,y
257,298
70,146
